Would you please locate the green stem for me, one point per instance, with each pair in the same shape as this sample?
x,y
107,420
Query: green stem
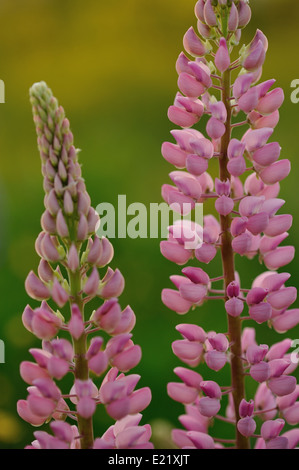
x,y
85,426
224,21
234,324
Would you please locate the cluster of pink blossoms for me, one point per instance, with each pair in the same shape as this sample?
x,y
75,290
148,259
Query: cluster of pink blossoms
x,y
68,274
213,84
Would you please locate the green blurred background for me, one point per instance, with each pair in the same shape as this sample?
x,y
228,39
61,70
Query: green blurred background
x,y
111,65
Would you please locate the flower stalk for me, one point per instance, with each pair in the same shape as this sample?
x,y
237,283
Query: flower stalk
x,y
85,425
227,255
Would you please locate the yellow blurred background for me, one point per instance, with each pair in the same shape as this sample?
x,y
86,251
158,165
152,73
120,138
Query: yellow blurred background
x,y
112,66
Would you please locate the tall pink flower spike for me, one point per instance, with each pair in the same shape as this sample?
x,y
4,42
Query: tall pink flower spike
x,y
68,275
248,225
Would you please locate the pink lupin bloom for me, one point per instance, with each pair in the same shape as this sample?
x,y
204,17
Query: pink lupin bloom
x,y
267,154
246,408
97,359
255,57
260,371
181,392
244,12
26,414
233,289
59,294
107,253
45,324
35,287
286,320
92,283
40,405
192,421
64,437
193,44
71,254
197,424
288,407
215,128
270,431
186,392
30,371
190,349
47,441
249,100
234,306
112,285
209,407
45,271
248,223
200,440
209,14
240,87
222,60
270,102
246,426
279,257
266,401
44,397
186,111
122,352
76,325
86,405
126,434
119,397
233,20
218,341
173,300
190,86
215,360
58,367
224,205
174,154
283,385
108,315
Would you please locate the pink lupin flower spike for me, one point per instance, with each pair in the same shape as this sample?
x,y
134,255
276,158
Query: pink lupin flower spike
x,y
69,241
249,224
